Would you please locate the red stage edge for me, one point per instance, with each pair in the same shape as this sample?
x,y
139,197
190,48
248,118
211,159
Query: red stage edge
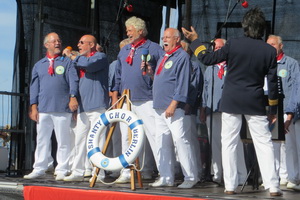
x,y
55,193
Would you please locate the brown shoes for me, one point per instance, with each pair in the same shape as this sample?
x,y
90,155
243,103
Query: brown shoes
x,y
229,192
275,192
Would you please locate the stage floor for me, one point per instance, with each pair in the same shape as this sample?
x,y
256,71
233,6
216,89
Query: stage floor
x,y
11,188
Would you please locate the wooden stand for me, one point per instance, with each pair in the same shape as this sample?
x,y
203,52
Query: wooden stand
x,y
125,95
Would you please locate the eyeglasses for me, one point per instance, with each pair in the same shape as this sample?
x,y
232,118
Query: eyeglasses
x,y
54,41
168,37
82,42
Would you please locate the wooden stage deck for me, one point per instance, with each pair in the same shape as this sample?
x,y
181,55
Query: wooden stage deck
x,y
12,188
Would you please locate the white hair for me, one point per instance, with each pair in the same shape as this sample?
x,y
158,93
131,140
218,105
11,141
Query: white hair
x,y
138,24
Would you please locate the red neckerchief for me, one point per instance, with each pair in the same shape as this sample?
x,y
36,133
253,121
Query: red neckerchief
x,y
129,58
51,63
167,55
280,56
221,69
82,71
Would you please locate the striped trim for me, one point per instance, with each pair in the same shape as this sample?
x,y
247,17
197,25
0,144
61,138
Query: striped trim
x,y
104,119
93,151
199,49
273,102
135,124
123,161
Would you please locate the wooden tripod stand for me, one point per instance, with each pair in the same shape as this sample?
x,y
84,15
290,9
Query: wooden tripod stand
x,y
125,96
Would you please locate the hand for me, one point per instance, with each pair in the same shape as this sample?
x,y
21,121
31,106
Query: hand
x,y
272,119
34,113
73,104
202,116
67,52
190,35
287,123
187,109
171,109
114,99
148,70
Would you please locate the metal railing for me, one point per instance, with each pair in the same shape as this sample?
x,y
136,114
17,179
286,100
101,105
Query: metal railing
x,y
12,128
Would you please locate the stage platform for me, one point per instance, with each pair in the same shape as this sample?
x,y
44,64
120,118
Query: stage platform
x,y
17,188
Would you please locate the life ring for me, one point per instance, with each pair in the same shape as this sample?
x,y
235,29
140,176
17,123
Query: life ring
x,y
117,163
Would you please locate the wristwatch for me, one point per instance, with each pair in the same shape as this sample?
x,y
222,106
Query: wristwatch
x,y
72,95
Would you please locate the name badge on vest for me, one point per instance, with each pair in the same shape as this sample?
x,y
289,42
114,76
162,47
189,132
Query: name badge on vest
x,y
169,64
282,73
59,70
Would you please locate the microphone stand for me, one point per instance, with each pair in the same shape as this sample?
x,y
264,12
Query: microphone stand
x,y
208,171
225,22
120,11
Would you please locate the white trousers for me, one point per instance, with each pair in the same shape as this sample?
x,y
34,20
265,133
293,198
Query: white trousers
x,y
261,136
50,158
171,132
144,110
216,159
292,144
85,122
72,149
195,142
280,159
72,142
60,122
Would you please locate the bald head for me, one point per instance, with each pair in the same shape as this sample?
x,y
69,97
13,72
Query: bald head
x,y
171,39
87,44
52,43
219,43
124,43
91,38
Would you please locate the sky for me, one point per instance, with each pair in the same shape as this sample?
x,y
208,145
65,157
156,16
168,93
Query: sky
x,y
8,10
8,15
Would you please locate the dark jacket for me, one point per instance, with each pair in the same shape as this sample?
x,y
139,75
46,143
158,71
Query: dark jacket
x,y
248,62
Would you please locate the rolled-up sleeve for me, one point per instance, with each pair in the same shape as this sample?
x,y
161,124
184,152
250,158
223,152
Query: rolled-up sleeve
x,y
92,64
73,79
34,87
182,81
117,78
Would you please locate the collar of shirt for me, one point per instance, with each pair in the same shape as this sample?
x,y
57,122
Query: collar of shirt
x,y
282,60
145,45
46,59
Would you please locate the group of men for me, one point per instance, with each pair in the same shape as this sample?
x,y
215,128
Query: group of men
x,y
82,81
165,87
60,86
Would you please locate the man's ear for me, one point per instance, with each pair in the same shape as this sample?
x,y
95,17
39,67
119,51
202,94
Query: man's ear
x,y
141,32
46,45
281,46
92,45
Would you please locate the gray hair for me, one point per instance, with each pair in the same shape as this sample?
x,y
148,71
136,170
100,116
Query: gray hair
x,y
279,39
47,37
254,23
138,24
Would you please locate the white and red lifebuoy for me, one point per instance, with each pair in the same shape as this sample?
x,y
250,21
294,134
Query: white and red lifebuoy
x,y
117,163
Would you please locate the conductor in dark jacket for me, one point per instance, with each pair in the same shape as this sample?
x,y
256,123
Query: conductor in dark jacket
x,y
249,59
